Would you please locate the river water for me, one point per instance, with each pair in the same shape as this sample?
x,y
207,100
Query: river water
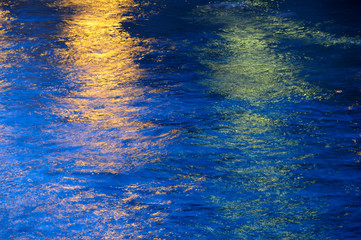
x,y
130,119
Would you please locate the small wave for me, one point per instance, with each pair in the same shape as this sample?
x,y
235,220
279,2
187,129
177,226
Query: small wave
x,y
227,5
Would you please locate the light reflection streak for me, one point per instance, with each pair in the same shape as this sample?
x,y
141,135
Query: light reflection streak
x,y
257,71
5,19
6,55
100,59
103,124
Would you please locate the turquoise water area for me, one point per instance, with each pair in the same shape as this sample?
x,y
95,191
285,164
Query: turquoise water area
x,y
130,119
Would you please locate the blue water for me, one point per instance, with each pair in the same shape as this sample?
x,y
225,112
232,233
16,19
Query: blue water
x,y
129,119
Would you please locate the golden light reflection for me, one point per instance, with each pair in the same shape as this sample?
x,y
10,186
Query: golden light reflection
x,y
104,125
5,45
5,63
128,212
100,61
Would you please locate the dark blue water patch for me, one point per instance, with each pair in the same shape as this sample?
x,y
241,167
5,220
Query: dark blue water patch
x,y
323,12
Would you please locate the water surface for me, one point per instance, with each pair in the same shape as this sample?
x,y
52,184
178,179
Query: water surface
x,y
127,119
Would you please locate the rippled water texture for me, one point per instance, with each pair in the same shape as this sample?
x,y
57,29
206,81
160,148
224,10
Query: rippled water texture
x,y
125,119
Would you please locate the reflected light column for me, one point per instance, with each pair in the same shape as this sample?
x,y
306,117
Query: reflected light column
x,y
99,60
